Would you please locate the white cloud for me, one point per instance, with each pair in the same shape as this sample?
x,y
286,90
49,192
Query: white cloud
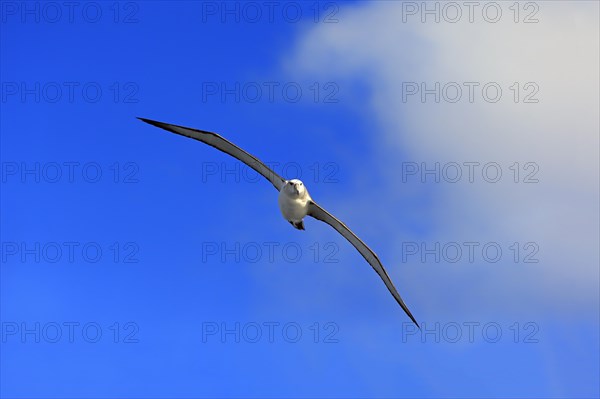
x,y
559,54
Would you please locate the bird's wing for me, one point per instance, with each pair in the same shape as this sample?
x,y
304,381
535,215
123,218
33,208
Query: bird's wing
x,y
319,213
224,145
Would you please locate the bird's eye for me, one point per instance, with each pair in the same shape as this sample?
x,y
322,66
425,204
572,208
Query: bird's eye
x,y
300,183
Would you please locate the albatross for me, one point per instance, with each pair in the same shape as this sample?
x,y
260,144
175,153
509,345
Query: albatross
x,y
294,201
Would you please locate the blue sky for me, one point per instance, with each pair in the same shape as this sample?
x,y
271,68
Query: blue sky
x,y
136,263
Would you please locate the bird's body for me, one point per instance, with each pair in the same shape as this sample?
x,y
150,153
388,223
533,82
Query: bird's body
x,y
294,201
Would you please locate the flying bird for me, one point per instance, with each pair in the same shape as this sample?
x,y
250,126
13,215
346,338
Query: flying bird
x,y
294,201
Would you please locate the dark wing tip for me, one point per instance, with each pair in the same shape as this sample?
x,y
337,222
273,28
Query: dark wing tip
x,y
412,318
404,307
151,122
406,310
169,127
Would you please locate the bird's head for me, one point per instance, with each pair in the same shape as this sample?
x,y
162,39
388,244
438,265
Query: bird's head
x,y
295,188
